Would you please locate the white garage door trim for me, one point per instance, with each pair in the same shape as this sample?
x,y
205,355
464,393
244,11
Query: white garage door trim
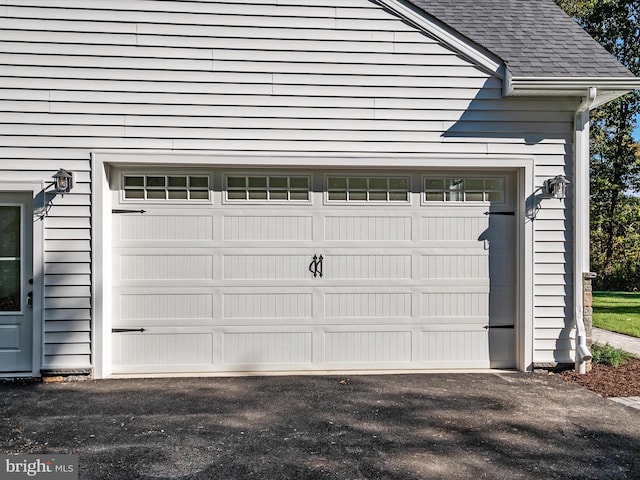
x,y
102,207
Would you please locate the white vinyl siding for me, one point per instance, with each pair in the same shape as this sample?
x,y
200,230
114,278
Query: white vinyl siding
x,y
342,78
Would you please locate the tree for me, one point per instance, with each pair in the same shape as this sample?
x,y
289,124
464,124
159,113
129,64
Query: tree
x,y
615,159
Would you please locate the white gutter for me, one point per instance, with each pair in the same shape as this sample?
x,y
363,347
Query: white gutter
x,y
608,88
581,224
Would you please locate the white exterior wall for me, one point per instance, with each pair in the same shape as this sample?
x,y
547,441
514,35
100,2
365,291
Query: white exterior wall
x,y
345,78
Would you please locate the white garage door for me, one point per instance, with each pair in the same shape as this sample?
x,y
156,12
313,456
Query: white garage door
x,y
217,271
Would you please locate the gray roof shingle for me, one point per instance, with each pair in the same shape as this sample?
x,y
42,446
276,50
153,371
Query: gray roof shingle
x,y
535,38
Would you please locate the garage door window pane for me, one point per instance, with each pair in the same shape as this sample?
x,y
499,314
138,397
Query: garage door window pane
x,y
357,196
278,195
294,195
257,194
257,182
378,184
299,183
177,182
278,182
378,196
464,190
153,182
357,183
156,194
234,195
134,194
494,184
399,184
236,182
495,197
199,195
133,182
199,182
398,196
169,187
178,195
368,189
280,188
337,183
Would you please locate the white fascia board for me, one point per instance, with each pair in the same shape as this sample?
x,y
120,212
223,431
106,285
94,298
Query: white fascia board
x,y
444,34
608,88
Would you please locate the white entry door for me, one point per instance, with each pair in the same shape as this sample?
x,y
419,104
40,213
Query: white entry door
x,y
16,293
247,271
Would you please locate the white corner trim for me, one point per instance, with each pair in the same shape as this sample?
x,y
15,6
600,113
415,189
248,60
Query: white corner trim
x,y
101,266
526,287
423,21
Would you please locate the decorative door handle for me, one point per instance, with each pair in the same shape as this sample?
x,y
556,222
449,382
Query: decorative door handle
x,y
315,266
312,265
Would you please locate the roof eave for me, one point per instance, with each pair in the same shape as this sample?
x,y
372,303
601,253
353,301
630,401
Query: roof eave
x,y
608,88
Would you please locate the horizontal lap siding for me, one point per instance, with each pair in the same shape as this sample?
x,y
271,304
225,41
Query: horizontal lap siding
x,y
345,76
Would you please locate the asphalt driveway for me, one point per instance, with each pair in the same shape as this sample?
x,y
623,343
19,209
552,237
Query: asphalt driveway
x,y
405,427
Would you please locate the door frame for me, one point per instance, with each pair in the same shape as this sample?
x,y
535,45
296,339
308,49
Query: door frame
x,y
37,256
102,161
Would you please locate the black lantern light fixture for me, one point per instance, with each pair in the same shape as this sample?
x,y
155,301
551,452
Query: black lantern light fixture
x,y
63,181
556,187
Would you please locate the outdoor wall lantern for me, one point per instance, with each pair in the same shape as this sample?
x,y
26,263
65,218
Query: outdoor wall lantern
x,y
63,181
556,187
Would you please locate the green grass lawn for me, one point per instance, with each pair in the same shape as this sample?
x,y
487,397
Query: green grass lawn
x,y
617,312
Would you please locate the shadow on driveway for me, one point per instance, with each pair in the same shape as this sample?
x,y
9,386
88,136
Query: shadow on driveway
x,y
404,427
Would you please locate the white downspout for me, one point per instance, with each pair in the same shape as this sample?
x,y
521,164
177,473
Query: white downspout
x,y
581,225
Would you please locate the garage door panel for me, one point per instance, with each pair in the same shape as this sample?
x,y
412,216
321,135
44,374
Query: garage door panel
x,y
368,266
135,307
450,265
453,229
502,345
372,305
157,227
501,275
268,228
449,345
367,228
500,230
357,346
447,304
298,306
169,351
502,305
165,267
266,266
263,348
